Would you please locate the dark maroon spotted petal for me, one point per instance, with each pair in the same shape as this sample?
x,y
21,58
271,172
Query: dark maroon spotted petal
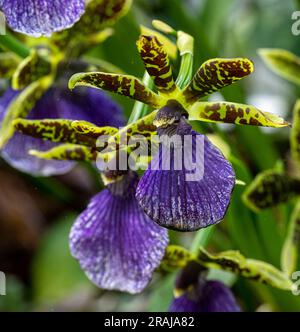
x,y
116,244
213,296
82,104
187,205
41,17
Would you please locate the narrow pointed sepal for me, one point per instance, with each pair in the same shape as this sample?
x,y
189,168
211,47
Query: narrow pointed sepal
x,y
291,246
31,69
295,133
282,62
216,74
54,130
252,269
269,189
8,64
157,63
125,85
21,106
67,152
116,244
90,130
226,112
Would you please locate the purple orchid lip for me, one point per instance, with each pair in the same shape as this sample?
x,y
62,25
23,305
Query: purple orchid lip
x,y
40,17
210,296
116,244
178,199
58,102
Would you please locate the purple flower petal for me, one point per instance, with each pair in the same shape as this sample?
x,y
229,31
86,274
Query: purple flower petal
x,y
117,245
41,17
213,296
81,104
178,201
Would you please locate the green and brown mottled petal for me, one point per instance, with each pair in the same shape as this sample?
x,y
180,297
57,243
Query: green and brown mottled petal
x,y
21,106
216,74
252,269
89,129
175,257
295,133
8,64
55,130
31,69
67,152
125,85
240,114
157,63
289,255
282,62
169,46
99,14
269,189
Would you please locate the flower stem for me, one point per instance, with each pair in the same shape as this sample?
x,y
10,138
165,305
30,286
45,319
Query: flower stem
x,y
9,42
202,238
140,109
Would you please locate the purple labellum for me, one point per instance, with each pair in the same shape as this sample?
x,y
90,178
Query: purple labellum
x,y
116,244
194,192
82,104
210,296
41,17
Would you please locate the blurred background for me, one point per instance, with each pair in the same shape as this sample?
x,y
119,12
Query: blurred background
x,y
36,213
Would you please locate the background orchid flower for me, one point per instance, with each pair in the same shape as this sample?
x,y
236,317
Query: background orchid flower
x,y
194,292
39,17
176,104
41,79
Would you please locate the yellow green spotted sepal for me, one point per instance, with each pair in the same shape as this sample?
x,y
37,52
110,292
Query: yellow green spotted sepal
x,y
282,62
270,188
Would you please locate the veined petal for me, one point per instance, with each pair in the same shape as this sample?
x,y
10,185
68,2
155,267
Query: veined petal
x,y
125,85
117,245
212,296
157,63
214,75
31,69
40,17
67,152
269,189
21,106
227,112
295,133
188,189
282,62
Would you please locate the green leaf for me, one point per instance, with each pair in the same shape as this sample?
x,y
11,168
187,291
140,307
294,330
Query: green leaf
x,y
252,269
289,255
21,106
31,69
125,85
8,64
270,188
295,133
282,62
67,152
216,74
227,112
